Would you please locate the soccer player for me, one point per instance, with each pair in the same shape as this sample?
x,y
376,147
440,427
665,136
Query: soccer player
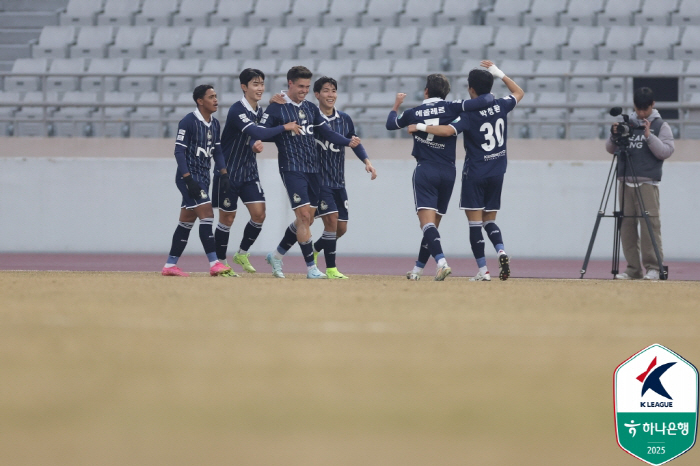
x,y
244,181
300,164
485,135
434,176
196,144
333,208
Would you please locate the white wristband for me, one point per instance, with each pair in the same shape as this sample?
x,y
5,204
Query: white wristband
x,y
421,127
493,69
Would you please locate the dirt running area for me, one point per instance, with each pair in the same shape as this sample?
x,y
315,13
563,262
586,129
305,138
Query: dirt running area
x,y
131,369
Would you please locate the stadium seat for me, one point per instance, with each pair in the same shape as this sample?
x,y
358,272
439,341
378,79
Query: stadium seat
x,y
130,42
581,13
168,42
340,70
620,43
308,13
156,13
689,48
30,120
9,105
583,43
97,68
671,68
583,121
206,42
358,43
232,13
382,13
658,43
244,43
692,84
320,43
656,13
194,13
268,66
545,81
72,121
143,71
370,84
65,66
146,120
227,68
691,129
628,69
517,69
184,104
92,42
470,45
408,84
119,12
54,42
376,116
269,13
619,13
546,42
508,43
432,45
396,42
172,82
417,13
598,68
116,124
507,13
81,13
547,123
544,12
23,77
454,12
282,43
344,14
688,14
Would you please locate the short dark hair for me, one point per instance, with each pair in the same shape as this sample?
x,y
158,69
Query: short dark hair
x,y
318,85
248,74
481,81
643,98
298,72
200,91
437,85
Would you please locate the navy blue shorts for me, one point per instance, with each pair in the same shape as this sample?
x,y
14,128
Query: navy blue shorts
x,y
432,186
187,201
302,188
483,194
250,192
333,200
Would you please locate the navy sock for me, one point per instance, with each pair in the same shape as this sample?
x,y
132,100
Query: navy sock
x,y
307,250
250,234
476,238
432,237
206,235
423,254
180,237
221,235
320,244
330,239
290,237
494,234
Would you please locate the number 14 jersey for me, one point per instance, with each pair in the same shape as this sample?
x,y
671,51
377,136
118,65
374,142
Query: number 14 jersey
x,y
485,134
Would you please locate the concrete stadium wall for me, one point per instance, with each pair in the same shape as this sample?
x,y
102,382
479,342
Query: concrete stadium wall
x,y
83,203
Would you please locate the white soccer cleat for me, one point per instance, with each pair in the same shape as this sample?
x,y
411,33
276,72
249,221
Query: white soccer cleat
x,y
443,272
481,277
413,275
313,272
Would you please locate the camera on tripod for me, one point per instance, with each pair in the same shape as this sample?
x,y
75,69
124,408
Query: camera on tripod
x,y
622,131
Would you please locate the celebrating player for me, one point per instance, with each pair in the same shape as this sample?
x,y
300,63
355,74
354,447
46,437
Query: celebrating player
x,y
196,143
244,180
299,164
333,208
434,176
485,135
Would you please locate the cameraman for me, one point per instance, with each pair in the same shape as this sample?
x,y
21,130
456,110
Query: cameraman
x,y
650,143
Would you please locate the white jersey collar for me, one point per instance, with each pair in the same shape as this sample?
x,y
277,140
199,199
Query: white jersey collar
x,y
199,116
432,100
247,105
290,101
332,117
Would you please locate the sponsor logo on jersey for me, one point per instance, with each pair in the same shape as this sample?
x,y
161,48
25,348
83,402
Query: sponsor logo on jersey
x,y
327,146
244,118
181,135
208,152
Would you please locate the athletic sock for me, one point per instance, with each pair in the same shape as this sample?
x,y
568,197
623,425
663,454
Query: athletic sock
x,y
221,235
180,237
320,244
330,241
494,234
290,237
307,250
250,234
431,236
476,238
423,255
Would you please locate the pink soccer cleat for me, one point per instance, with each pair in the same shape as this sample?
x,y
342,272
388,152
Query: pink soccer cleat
x,y
218,269
174,272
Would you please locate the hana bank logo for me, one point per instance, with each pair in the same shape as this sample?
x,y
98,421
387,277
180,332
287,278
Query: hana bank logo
x,y
651,380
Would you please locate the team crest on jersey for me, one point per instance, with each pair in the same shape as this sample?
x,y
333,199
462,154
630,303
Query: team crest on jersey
x,y
227,202
302,115
209,136
324,206
297,198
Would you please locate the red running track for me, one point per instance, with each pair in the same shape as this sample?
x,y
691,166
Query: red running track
x,y
461,267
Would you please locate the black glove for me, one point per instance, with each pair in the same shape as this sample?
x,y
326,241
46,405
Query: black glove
x,y
224,183
193,189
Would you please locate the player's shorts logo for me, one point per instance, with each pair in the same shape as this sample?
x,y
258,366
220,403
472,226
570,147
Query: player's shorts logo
x,y
324,206
202,194
297,198
227,202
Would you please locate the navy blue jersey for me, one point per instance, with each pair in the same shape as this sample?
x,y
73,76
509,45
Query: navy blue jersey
x,y
200,141
485,135
333,157
241,162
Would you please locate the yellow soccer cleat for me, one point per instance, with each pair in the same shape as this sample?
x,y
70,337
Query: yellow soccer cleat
x,y
316,257
242,260
333,273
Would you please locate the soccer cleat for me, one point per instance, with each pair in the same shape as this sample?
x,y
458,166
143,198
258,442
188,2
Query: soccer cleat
x,y
316,257
332,273
442,273
242,260
315,273
218,269
504,266
229,273
174,272
413,275
481,277
276,265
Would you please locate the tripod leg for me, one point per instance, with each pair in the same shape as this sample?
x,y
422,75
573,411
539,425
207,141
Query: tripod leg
x,y
590,244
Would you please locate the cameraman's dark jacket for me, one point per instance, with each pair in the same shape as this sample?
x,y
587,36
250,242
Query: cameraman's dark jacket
x,y
647,155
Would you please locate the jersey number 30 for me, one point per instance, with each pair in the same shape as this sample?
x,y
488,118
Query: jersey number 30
x,y
490,132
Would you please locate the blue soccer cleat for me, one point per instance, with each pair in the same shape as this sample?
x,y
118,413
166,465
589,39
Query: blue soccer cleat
x,y
276,265
315,273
